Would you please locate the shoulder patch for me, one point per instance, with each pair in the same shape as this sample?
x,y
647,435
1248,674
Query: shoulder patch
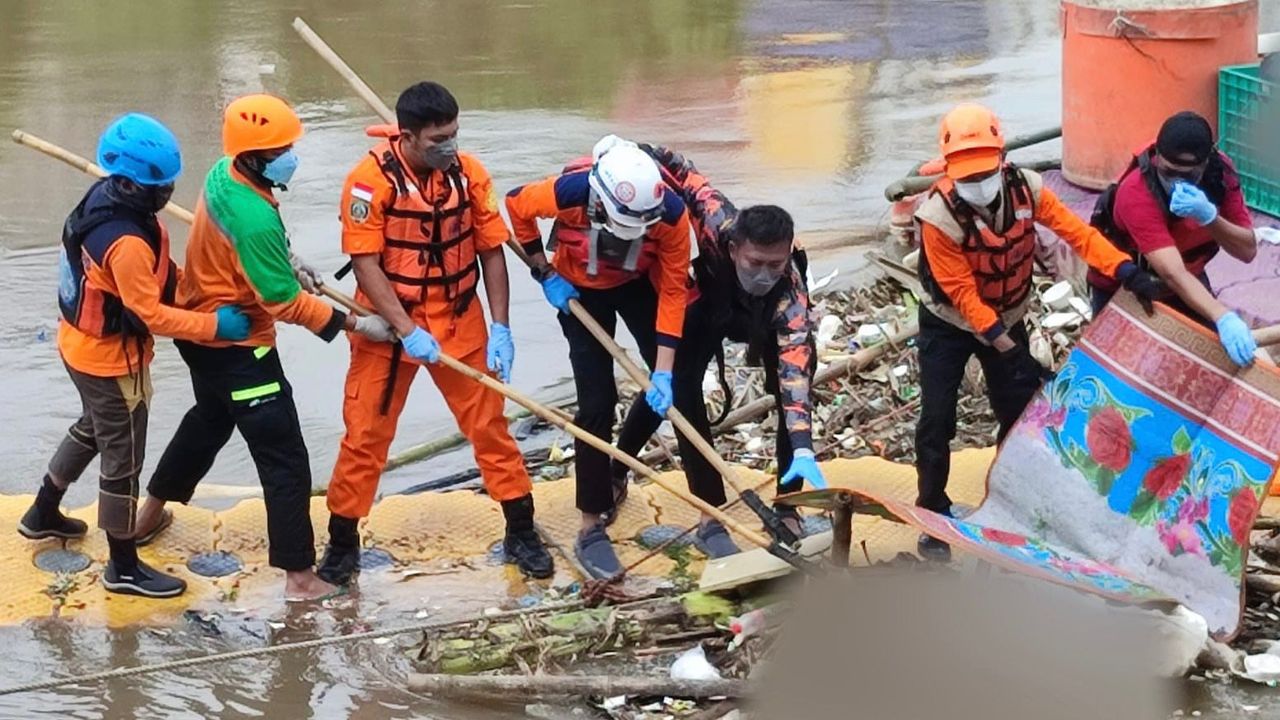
x,y
358,210
491,200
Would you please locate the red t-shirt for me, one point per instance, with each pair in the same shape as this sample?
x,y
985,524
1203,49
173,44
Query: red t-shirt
x,y
1139,215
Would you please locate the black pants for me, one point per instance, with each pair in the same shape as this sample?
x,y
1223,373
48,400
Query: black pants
x,y
698,345
245,388
637,303
944,351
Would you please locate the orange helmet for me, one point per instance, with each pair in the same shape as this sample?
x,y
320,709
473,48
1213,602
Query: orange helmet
x,y
971,140
259,122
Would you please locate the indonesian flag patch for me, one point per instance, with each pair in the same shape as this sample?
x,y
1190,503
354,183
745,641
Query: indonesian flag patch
x,y
360,191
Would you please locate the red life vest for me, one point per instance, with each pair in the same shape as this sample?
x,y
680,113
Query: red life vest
x,y
95,225
427,232
1001,263
578,236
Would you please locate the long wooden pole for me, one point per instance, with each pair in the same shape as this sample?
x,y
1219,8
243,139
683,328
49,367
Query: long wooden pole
x,y
605,339
550,416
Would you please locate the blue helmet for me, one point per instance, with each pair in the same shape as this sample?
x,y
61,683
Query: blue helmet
x,y
140,148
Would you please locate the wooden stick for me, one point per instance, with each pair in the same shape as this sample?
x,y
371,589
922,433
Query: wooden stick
x,y
550,416
557,685
1265,336
83,165
606,341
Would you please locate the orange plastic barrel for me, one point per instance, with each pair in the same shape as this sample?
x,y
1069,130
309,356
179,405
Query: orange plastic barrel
x,y
1125,70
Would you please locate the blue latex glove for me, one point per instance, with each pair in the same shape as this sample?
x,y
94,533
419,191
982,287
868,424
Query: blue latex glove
x,y
1189,201
233,324
1236,339
659,394
559,292
420,346
502,352
803,466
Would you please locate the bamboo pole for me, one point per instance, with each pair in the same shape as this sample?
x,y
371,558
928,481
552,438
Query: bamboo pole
x,y
550,416
556,685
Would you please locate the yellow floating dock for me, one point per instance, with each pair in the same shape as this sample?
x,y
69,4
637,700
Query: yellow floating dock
x,y
428,531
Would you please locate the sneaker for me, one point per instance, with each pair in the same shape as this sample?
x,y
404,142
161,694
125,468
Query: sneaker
x,y
932,549
595,551
714,541
525,550
144,580
35,527
339,564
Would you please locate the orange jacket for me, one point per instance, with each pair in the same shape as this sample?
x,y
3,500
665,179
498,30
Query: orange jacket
x,y
367,196
238,254
128,273
950,266
564,197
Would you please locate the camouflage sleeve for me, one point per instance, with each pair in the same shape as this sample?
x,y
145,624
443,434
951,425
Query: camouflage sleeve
x,y
710,211
796,360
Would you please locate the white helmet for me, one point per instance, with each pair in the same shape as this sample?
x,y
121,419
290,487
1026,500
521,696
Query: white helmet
x,y
627,182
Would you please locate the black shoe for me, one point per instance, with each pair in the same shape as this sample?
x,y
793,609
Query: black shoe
x,y
143,580
525,550
932,549
339,564
35,525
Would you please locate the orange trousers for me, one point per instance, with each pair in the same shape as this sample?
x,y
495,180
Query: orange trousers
x,y
477,409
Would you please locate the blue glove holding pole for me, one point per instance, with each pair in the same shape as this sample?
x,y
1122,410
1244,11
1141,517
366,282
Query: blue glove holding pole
x,y
1189,201
1236,339
558,291
501,352
421,346
659,394
805,467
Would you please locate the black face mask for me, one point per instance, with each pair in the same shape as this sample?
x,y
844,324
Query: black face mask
x,y
613,248
145,198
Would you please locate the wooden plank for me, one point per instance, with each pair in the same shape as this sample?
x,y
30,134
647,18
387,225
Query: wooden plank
x,y
756,565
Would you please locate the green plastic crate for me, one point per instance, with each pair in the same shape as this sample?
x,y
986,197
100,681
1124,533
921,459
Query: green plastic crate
x,y
1249,133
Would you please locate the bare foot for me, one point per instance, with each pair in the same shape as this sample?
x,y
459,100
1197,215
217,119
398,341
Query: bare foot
x,y
303,585
148,516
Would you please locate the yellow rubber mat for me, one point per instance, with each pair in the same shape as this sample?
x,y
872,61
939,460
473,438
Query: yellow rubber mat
x,y
449,532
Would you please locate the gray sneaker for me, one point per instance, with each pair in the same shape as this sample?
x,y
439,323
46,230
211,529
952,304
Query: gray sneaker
x,y
714,541
595,551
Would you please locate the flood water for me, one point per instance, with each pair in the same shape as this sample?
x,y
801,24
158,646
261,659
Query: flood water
x,y
815,105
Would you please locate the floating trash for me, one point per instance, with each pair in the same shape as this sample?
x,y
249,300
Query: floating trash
x,y
62,560
215,564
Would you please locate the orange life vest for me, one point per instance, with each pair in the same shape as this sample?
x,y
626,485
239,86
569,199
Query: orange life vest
x,y
578,236
95,225
427,232
1001,263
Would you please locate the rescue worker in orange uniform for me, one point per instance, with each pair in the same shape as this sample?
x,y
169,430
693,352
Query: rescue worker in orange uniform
x,y
978,239
116,290
238,252
621,244
420,221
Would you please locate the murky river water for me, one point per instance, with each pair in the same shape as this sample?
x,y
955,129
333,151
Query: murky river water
x,y
812,104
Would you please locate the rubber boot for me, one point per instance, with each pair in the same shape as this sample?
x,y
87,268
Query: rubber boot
x,y
341,559
522,547
127,575
44,519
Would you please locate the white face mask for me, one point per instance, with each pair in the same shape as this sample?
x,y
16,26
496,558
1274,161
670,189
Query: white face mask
x,y
983,192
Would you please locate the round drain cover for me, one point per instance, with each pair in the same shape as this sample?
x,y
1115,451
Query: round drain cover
x,y
374,559
62,560
654,535
214,564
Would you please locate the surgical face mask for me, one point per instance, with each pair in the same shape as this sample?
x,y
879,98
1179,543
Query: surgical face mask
x,y
441,155
280,170
625,233
982,192
757,282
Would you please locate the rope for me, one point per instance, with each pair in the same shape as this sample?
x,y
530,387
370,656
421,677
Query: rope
x,y
276,649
